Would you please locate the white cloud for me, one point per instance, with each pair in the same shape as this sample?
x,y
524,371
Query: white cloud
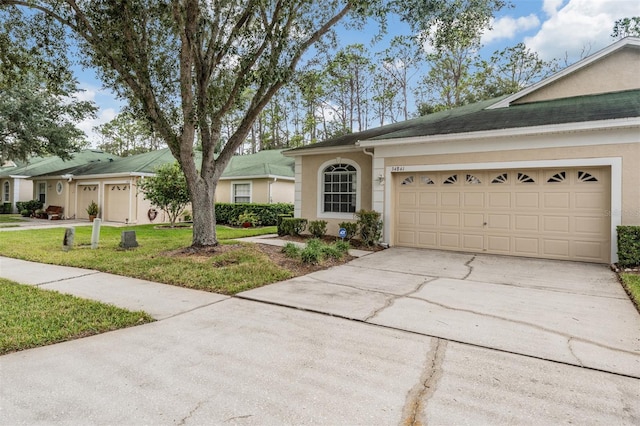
x,y
550,7
507,27
579,26
87,125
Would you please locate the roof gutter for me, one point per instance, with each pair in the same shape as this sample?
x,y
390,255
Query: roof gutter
x,y
321,150
619,123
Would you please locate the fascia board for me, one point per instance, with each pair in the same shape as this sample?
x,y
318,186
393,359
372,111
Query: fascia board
x,y
325,150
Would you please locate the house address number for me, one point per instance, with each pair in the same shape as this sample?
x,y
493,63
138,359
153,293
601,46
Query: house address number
x,y
397,169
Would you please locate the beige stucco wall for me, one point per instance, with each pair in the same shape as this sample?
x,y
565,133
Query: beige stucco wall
x,y
617,72
281,191
310,186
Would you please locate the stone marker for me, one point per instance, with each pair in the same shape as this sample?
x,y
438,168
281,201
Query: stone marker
x,y
67,242
128,239
95,233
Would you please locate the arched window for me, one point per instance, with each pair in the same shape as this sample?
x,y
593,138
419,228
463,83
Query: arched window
x,y
6,189
339,188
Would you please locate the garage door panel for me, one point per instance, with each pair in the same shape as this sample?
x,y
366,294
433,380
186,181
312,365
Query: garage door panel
x,y
428,199
498,221
450,199
559,213
407,199
499,244
560,200
428,219
450,219
527,222
448,240
499,200
555,248
428,239
555,224
525,200
474,200
589,200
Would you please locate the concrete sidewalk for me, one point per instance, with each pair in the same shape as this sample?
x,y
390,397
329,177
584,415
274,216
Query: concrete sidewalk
x,y
158,300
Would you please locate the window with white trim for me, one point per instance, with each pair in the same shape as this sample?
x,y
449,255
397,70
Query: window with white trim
x,y
5,195
339,183
42,192
241,192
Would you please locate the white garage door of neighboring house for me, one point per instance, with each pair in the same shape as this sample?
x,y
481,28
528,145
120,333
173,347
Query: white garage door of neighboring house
x,y
86,194
116,202
556,214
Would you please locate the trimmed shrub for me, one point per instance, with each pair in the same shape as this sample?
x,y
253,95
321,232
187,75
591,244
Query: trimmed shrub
x,y
267,214
6,208
628,246
351,228
318,228
279,223
370,226
293,225
31,206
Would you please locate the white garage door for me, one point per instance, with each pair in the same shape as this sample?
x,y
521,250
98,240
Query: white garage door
x,y
86,194
556,214
116,202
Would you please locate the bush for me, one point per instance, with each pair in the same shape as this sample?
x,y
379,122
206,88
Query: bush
x,y
313,252
279,223
30,206
291,250
6,208
351,228
25,213
247,217
267,213
293,225
318,228
370,226
628,246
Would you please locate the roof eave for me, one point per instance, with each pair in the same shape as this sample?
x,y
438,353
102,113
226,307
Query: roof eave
x,y
501,133
291,178
322,150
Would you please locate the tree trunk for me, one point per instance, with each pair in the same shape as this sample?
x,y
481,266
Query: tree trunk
x,y
204,219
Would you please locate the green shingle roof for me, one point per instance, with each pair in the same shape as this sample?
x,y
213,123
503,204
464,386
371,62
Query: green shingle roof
x,y
39,166
476,117
263,163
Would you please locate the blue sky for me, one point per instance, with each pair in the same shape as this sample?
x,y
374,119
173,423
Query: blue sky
x,y
563,29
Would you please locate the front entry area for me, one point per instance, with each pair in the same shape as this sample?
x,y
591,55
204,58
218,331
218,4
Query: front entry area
x,y
560,213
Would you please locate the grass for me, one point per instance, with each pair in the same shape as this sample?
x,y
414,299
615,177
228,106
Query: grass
x,y
32,317
154,260
10,220
632,284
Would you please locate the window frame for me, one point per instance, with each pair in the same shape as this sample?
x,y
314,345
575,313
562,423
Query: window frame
x,y
320,189
233,191
42,192
6,192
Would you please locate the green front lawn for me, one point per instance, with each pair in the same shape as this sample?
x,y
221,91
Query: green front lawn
x,y
156,259
632,284
10,220
31,317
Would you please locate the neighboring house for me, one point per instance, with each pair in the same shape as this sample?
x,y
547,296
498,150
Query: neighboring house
x,y
265,177
547,172
260,178
18,183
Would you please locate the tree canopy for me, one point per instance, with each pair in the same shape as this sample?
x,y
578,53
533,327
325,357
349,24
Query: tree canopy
x,y
187,66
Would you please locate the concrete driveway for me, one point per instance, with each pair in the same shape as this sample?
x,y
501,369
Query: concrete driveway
x,y
397,337
569,312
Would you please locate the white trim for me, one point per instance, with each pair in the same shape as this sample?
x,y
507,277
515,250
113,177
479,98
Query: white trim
x,y
629,41
616,184
320,189
297,191
322,150
502,133
6,195
232,194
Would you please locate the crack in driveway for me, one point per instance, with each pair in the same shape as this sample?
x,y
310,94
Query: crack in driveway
x,y
528,324
468,265
418,397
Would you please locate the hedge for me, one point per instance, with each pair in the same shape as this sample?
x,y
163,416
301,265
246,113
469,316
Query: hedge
x,y
628,246
227,213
